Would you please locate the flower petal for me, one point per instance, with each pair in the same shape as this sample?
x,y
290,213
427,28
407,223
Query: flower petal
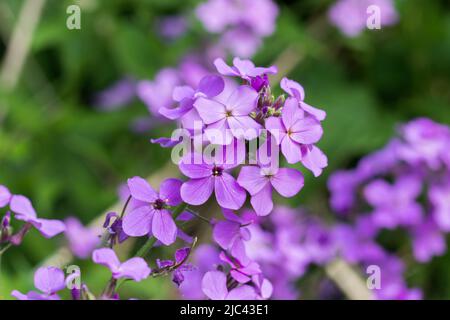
x,y
135,268
49,280
22,207
106,257
138,222
224,69
276,128
49,227
244,127
214,285
170,191
197,191
5,196
244,292
291,113
288,182
163,227
291,150
141,190
211,86
193,166
262,201
315,112
252,179
314,160
210,110
306,131
225,233
229,193
242,101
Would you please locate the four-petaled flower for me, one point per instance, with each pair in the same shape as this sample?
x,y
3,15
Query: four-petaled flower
x,y
259,181
154,216
209,176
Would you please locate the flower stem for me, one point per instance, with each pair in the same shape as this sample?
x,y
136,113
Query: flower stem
x,y
198,215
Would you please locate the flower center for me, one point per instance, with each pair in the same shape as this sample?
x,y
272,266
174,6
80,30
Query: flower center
x,y
217,171
228,114
159,204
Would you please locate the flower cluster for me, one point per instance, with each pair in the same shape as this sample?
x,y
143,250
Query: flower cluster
x,y
242,23
404,185
351,16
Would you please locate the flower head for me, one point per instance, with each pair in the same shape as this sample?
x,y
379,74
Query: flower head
x,y
154,216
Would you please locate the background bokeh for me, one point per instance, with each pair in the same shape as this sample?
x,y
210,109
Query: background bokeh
x,y
66,154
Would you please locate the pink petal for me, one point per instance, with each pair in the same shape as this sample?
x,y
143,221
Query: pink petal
x,y
229,193
170,191
252,179
197,191
23,207
276,128
49,280
191,169
214,285
182,92
135,268
211,86
315,112
291,113
243,292
291,150
5,196
293,88
306,131
224,69
244,66
244,127
288,182
106,257
242,101
210,110
138,222
163,227
262,201
314,160
219,132
225,233
141,190
49,227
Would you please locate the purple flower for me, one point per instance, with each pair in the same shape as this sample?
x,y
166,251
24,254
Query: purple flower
x,y
178,267
259,181
48,280
240,271
428,241
153,217
209,176
82,241
24,211
209,87
173,27
440,198
118,95
351,16
295,90
395,204
293,129
206,257
214,285
135,268
229,235
244,69
229,118
5,196
158,93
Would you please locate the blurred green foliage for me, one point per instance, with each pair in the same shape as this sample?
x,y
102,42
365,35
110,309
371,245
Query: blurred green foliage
x,y
69,158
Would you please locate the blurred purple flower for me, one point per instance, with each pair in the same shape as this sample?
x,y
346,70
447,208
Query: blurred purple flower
x,y
82,240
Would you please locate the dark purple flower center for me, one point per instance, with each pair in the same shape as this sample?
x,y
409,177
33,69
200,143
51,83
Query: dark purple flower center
x,y
217,171
159,204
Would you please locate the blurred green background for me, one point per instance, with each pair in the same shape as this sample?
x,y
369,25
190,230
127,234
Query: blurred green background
x,y
70,158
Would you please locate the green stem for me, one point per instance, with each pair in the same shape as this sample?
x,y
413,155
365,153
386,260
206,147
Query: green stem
x,y
198,215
